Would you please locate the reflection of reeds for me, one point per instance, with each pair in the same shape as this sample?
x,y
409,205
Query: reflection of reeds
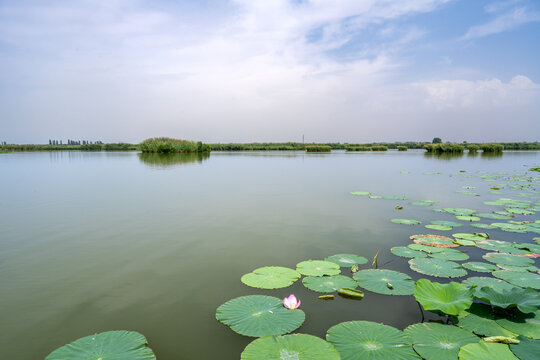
x,y
444,155
318,148
169,160
166,145
491,155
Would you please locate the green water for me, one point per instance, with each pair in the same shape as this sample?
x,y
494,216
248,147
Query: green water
x,y
91,242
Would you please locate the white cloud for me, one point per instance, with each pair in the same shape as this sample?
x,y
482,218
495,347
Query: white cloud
x,y
502,23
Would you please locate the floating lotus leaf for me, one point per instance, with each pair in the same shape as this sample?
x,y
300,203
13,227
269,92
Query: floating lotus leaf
x,y
361,193
437,267
519,211
317,268
493,216
535,248
404,251
480,319
359,340
437,341
524,279
259,315
270,277
524,324
452,298
396,197
500,246
118,345
375,197
450,254
486,351
386,282
465,242
467,218
526,300
294,346
483,226
493,283
459,211
347,260
438,227
423,203
351,293
425,248
531,268
527,349
406,221
446,223
433,240
467,236
508,259
480,266
328,283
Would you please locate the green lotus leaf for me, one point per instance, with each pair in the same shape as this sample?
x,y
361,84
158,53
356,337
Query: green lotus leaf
x,y
317,268
523,279
467,236
527,349
294,346
259,315
347,260
467,218
535,248
450,254
375,197
508,259
479,266
326,284
395,197
459,211
480,319
483,226
465,242
486,351
386,282
270,277
437,267
526,300
452,298
438,227
531,268
500,246
524,324
406,221
118,345
351,293
361,193
404,251
519,211
423,203
433,240
437,341
359,340
493,216
481,281
425,248
446,223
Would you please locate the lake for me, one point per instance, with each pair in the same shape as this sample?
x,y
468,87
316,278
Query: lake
x,y
91,242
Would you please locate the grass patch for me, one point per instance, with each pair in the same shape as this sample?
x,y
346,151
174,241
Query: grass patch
x,y
473,148
164,145
444,148
318,148
357,148
379,148
402,148
491,147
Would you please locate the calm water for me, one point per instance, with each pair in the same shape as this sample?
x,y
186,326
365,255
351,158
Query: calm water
x,y
91,242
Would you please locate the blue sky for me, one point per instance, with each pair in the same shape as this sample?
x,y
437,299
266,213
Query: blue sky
x,y
258,70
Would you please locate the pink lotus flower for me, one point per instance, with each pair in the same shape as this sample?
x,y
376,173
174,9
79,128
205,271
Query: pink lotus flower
x,y
291,302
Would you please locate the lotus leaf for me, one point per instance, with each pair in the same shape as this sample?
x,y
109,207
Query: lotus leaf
x,y
347,260
446,223
406,221
486,351
404,251
437,267
425,248
450,254
351,293
526,300
483,226
493,283
328,283
493,216
395,197
386,282
290,347
479,318
452,298
500,246
433,240
524,324
531,268
467,218
317,268
527,349
270,277
361,193
259,315
524,279
508,259
479,266
466,236
359,340
423,203
438,227
437,341
459,211
121,345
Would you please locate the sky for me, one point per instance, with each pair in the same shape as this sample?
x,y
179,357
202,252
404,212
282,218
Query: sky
x,y
270,70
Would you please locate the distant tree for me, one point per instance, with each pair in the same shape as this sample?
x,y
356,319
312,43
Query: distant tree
x,y
436,140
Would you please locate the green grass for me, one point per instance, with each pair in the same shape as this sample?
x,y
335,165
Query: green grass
x,y
473,148
379,148
318,148
491,147
444,148
164,145
402,148
357,148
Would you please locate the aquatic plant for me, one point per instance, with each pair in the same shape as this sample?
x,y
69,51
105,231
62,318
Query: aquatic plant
x,y
473,148
402,148
492,147
291,302
444,148
318,148
357,148
379,148
166,145
451,299
294,346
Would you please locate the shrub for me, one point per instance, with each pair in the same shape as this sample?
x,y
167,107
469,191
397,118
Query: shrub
x,y
91,147
444,147
119,147
490,147
318,148
357,148
379,148
402,148
164,145
473,148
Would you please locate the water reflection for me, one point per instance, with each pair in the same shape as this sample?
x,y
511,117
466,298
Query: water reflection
x,y
443,156
163,161
491,155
